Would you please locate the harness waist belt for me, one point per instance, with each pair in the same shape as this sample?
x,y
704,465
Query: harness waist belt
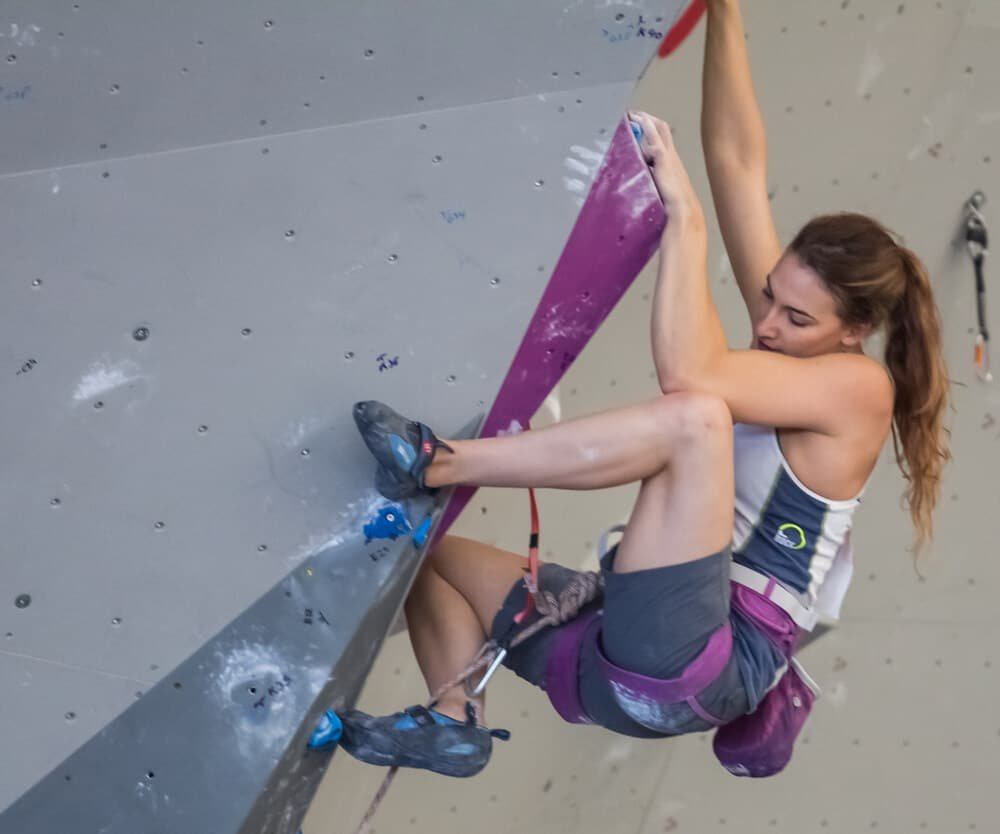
x,y
767,586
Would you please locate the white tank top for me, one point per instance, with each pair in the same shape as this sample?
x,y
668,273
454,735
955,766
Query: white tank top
x,y
783,529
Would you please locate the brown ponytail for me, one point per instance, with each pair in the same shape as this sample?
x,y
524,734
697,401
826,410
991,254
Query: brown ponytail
x,y
913,357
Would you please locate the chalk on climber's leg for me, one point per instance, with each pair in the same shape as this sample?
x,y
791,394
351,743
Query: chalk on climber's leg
x,y
327,732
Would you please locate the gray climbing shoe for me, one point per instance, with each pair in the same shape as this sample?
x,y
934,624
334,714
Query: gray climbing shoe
x,y
421,738
403,448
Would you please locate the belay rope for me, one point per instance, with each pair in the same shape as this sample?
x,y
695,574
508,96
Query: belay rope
x,y
977,241
553,609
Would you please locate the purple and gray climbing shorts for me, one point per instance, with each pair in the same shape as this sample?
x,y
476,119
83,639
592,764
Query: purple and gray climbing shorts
x,y
654,657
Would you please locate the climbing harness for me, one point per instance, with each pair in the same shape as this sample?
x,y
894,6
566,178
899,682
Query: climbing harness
x,y
977,242
759,744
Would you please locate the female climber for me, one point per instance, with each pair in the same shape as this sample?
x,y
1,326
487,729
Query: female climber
x,y
751,464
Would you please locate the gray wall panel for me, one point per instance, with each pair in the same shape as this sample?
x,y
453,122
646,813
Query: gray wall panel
x,y
148,77
220,742
39,688
188,313
331,291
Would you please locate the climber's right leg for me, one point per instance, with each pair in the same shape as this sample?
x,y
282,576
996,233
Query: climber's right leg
x,y
449,611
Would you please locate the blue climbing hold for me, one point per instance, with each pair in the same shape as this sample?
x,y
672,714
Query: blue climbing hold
x,y
327,731
390,523
636,130
420,537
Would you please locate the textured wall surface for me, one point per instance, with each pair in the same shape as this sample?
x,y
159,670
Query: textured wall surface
x,y
221,225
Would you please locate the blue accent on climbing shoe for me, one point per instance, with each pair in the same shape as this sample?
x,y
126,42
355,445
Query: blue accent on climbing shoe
x,y
407,722
327,731
390,523
636,130
420,537
404,452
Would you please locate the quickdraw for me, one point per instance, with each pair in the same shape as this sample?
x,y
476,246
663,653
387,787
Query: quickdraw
x,y
977,242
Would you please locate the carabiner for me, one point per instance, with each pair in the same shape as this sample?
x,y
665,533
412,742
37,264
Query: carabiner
x,y
490,671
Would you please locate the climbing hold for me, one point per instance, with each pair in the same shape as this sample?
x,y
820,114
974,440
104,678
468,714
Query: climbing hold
x,y
420,537
327,731
390,523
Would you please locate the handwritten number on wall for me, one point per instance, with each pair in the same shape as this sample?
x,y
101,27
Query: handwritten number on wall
x,y
312,614
14,93
628,31
385,362
273,691
379,553
27,366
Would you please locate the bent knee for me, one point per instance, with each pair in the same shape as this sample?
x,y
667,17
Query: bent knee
x,y
695,417
444,549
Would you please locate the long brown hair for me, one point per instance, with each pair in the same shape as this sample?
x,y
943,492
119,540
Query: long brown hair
x,y
878,282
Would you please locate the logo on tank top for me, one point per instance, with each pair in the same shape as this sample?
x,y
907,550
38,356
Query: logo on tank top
x,y
791,536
